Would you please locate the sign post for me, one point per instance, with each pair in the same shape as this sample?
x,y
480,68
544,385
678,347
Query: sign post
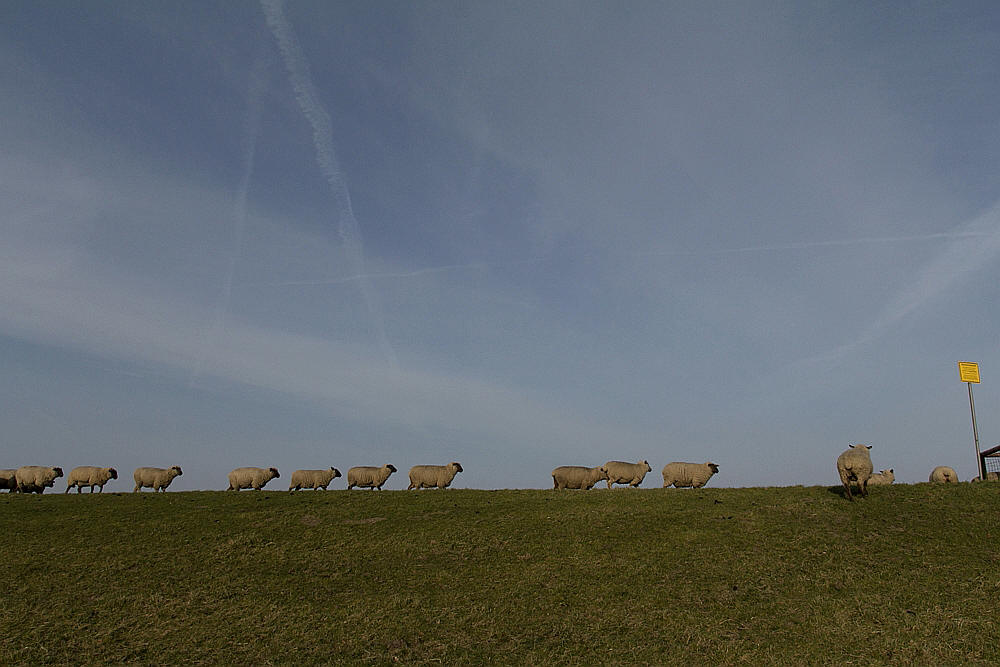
x,y
968,371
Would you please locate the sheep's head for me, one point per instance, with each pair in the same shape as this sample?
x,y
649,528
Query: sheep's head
x,y
860,446
391,467
274,472
714,467
603,470
176,470
113,473
457,466
58,472
646,463
336,473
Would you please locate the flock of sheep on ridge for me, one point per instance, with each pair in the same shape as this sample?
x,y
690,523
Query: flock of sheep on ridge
x,y
854,467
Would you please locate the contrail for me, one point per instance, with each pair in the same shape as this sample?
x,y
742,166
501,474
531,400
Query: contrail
x,y
251,131
375,276
803,245
319,119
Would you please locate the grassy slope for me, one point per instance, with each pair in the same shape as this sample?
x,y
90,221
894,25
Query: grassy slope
x,y
530,577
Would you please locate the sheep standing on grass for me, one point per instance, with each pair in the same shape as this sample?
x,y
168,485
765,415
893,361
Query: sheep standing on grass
x,y
433,476
8,479
251,478
694,475
89,476
369,476
620,472
157,479
882,478
990,477
36,478
944,475
578,477
313,479
855,465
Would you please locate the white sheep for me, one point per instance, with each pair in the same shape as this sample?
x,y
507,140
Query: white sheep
x,y
89,476
433,476
882,478
620,472
990,477
578,477
36,478
855,465
944,475
8,479
157,479
695,475
369,476
313,479
251,478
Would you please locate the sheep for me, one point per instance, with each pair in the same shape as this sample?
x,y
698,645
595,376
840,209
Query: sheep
x,y
157,479
578,477
247,478
369,476
36,478
89,476
944,475
433,476
855,465
990,477
620,472
681,474
8,480
313,479
882,478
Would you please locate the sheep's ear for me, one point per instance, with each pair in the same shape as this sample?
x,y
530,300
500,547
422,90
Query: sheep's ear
x,y
868,446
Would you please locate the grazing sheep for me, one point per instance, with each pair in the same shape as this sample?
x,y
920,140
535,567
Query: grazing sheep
x,y
882,478
89,476
990,477
578,477
433,476
620,472
251,478
8,480
944,475
369,476
35,478
855,465
695,475
157,479
313,479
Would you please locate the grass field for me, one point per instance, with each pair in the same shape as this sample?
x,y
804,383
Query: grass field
x,y
777,575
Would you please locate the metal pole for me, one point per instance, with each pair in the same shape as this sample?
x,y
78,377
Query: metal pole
x,y
975,434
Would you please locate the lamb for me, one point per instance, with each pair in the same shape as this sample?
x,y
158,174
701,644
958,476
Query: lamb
x,y
157,479
578,477
369,476
313,479
8,480
694,475
247,478
990,477
882,478
944,475
36,478
433,476
89,476
620,472
855,465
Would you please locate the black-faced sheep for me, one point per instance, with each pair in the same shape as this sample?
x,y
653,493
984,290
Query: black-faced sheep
x,y
157,479
694,475
89,476
36,478
313,479
251,478
433,476
578,477
369,476
620,472
855,465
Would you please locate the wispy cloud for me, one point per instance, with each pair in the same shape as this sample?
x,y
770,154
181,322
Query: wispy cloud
x,y
308,99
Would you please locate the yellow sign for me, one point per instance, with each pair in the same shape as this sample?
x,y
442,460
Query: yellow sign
x,y
968,371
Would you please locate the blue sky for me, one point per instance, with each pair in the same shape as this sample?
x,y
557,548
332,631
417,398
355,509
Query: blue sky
x,y
516,235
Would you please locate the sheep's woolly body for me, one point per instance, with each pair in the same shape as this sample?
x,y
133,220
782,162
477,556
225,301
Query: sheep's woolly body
x,y
369,476
944,475
313,479
882,478
36,478
855,465
251,478
91,476
620,472
578,477
8,479
990,477
433,476
157,479
680,474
